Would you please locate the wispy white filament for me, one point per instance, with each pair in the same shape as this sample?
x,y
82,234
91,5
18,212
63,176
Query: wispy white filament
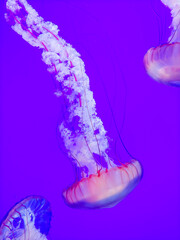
x,y
65,63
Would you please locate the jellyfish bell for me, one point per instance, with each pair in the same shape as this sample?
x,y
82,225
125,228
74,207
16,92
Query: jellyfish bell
x,y
162,63
105,189
29,219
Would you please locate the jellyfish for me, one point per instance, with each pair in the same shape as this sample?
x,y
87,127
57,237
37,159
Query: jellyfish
x,y
162,63
102,181
28,219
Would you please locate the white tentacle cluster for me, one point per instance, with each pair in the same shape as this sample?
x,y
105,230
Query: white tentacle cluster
x,y
174,5
88,135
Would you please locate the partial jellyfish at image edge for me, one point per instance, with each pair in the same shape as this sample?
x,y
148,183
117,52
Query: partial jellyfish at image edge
x,y
162,63
28,219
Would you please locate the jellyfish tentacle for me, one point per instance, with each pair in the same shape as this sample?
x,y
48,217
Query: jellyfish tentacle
x,y
72,56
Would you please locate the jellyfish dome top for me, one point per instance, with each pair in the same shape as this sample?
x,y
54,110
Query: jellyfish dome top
x,y
102,182
29,219
162,63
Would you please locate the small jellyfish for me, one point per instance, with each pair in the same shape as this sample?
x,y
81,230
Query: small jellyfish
x,y
29,219
162,63
103,181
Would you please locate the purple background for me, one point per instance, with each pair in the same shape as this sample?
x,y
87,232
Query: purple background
x,y
112,37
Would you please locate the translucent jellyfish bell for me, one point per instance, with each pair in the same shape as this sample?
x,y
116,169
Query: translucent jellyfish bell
x,y
103,180
104,189
29,219
162,63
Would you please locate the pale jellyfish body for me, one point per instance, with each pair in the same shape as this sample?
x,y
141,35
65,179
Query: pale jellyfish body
x,y
162,63
102,183
106,189
29,219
